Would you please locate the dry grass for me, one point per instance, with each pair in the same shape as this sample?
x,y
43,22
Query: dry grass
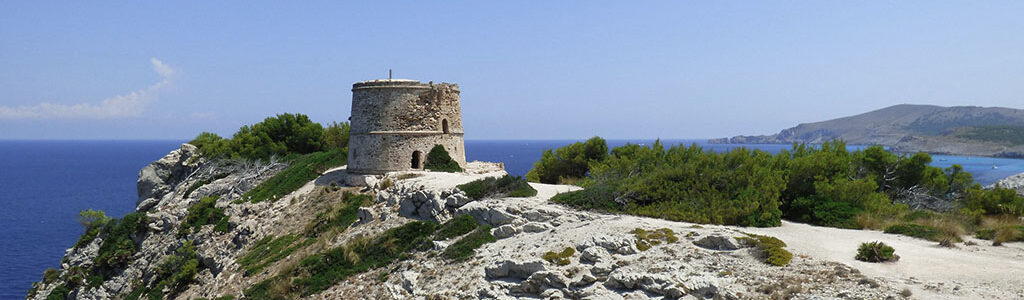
x,y
873,222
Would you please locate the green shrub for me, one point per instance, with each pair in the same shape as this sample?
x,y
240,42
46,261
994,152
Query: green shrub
x,y
268,251
511,186
739,187
281,135
301,171
769,248
559,258
323,270
59,293
118,246
458,226
876,252
173,274
916,230
464,248
339,216
646,239
94,281
336,135
438,160
204,212
50,275
568,163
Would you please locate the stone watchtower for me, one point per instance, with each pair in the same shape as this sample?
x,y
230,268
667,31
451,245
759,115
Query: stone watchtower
x,y
395,123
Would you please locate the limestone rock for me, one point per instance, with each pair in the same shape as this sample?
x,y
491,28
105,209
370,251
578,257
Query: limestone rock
x,y
366,215
717,242
513,269
159,177
409,280
614,244
505,231
536,227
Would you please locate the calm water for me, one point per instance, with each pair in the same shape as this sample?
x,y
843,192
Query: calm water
x,y
44,184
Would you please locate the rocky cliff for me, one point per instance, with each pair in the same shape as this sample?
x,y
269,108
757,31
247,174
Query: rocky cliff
x,y
960,130
541,250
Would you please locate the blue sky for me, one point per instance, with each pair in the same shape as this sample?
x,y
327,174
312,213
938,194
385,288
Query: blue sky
x,y
528,70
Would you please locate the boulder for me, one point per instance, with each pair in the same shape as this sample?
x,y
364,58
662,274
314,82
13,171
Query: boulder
x,y
513,269
366,215
505,231
536,227
717,242
614,244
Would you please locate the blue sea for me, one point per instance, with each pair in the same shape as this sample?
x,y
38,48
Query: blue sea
x,y
44,184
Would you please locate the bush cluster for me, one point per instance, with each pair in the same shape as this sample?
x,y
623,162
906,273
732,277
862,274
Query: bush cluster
x,y
568,164
559,258
645,239
769,249
458,226
510,186
173,274
118,246
282,135
464,248
826,185
204,212
876,252
320,271
299,172
439,160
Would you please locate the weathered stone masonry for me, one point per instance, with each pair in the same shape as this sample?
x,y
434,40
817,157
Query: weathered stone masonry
x,y
395,122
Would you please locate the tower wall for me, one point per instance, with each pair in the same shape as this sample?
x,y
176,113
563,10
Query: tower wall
x,y
394,119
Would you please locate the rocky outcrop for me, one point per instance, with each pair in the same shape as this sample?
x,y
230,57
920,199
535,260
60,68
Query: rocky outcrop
x,y
1015,182
160,177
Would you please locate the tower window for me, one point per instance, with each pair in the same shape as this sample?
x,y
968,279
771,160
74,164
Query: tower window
x,y
444,125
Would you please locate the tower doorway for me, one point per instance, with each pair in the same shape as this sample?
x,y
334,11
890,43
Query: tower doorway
x,y
444,125
416,160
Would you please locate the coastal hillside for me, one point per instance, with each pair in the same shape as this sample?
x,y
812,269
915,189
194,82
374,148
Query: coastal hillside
x,y
959,130
200,233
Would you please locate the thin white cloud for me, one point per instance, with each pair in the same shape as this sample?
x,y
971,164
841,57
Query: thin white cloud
x,y
129,105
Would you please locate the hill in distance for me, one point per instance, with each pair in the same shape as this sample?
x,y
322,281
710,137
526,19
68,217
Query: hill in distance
x,y
958,130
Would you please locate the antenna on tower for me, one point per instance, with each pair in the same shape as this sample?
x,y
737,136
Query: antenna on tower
x,y
389,74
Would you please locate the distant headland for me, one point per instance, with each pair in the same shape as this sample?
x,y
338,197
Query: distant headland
x,y
906,128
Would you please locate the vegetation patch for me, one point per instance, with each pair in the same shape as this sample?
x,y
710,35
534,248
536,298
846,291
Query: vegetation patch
x,y
340,216
438,160
59,293
1002,234
174,273
559,258
464,248
645,239
320,271
458,226
770,249
92,221
876,252
568,164
916,230
281,135
204,212
1003,134
299,172
511,186
270,250
118,247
